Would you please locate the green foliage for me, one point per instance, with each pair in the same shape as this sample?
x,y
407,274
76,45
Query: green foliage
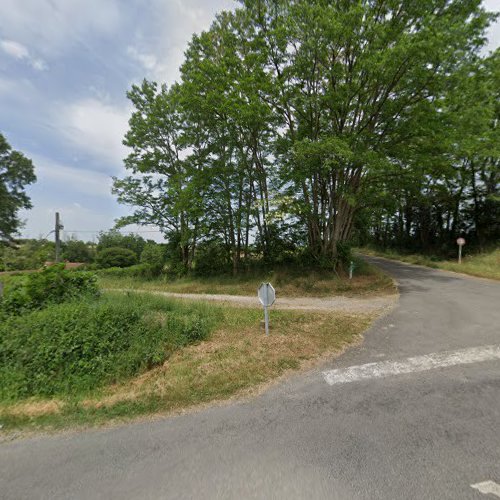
x,y
73,348
344,253
294,117
137,271
113,239
27,254
211,259
52,285
77,251
153,255
16,172
116,257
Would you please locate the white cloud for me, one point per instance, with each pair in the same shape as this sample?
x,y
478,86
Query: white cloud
x,y
20,52
14,49
173,25
53,26
148,61
95,127
72,191
78,180
494,29
80,221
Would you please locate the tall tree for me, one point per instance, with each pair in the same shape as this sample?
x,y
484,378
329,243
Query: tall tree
x,y
352,83
16,172
304,114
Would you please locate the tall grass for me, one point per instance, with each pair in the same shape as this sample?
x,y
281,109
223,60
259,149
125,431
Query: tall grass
x,y
484,265
75,347
288,281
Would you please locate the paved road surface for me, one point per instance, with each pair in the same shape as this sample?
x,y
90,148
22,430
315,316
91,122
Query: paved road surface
x,y
421,421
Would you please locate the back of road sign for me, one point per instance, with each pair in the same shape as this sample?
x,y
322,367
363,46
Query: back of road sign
x,y
267,294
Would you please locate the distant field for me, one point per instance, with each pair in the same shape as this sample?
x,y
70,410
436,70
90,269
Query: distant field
x,y
484,265
367,281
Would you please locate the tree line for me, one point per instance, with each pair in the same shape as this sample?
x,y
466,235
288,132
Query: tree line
x,y
299,126
112,249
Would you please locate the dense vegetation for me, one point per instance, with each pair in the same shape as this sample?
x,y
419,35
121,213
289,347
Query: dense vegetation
x,y
58,336
112,249
53,285
300,125
75,347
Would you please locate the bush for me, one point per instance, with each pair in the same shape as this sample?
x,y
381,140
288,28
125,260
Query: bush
x,y
51,285
75,347
113,239
211,259
153,255
344,254
138,271
116,257
77,251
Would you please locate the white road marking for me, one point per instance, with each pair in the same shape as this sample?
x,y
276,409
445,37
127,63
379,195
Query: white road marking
x,y
487,488
410,365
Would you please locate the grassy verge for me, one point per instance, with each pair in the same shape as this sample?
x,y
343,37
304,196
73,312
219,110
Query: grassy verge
x,y
235,357
289,282
484,265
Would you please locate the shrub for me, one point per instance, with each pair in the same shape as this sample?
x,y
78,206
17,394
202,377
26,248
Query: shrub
x,y
116,257
344,254
75,347
51,285
211,259
137,271
113,239
153,255
77,251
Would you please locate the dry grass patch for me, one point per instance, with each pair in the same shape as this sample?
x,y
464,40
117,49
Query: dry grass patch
x,y
483,265
237,359
239,356
368,281
32,408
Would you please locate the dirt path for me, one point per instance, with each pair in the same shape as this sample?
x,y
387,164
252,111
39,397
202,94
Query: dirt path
x,y
339,303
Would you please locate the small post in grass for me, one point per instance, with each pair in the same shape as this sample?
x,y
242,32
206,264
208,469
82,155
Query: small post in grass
x,y
460,243
351,269
267,296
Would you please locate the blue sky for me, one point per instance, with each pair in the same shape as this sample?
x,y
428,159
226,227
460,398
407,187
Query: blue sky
x,y
65,66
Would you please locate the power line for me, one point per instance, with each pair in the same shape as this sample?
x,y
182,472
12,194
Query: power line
x,y
117,230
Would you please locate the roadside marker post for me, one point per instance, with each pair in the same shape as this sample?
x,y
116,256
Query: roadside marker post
x,y
351,269
460,243
267,296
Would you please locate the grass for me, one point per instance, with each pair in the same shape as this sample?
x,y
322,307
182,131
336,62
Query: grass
x,y
71,348
289,282
484,265
237,357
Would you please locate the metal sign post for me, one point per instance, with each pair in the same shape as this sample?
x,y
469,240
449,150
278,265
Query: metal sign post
x,y
460,243
267,296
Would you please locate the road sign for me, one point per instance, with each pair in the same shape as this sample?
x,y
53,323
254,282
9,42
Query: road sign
x,y
460,243
267,296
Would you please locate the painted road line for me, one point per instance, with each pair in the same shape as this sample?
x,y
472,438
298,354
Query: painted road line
x,y
487,488
411,365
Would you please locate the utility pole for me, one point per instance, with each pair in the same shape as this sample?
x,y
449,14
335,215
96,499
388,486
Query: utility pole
x,y
58,227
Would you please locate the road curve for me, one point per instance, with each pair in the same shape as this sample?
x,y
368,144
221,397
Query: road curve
x,y
414,412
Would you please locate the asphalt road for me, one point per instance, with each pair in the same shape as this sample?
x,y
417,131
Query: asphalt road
x,y
424,428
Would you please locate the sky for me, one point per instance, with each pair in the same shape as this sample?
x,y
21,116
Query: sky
x,y
65,68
